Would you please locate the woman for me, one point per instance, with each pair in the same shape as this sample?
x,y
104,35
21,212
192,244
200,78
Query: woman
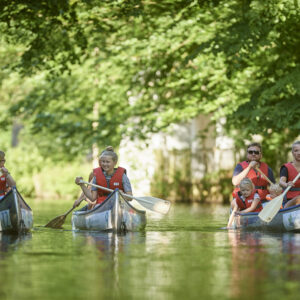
x,y
287,173
6,180
107,176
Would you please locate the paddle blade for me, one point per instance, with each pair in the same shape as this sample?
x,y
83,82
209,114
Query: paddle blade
x,y
158,205
56,222
271,209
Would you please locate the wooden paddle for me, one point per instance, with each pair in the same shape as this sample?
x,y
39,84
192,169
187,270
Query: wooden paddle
x,y
151,203
272,207
60,220
263,175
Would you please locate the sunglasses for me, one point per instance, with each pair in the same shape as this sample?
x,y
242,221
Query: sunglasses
x,y
253,152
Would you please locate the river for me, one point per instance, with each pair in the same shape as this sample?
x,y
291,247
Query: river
x,y
183,255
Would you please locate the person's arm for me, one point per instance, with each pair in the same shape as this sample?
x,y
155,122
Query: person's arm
x,y
231,218
9,179
253,206
283,178
126,186
92,195
82,195
237,178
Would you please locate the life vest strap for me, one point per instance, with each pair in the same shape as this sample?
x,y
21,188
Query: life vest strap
x,y
260,187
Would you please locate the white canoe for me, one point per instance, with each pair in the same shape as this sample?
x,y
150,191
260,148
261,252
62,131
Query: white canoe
x,y
114,214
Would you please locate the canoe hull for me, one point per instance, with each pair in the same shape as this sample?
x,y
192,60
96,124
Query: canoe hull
x,y
287,219
15,214
114,214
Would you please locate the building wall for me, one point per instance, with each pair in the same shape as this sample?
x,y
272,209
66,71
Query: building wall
x,y
173,164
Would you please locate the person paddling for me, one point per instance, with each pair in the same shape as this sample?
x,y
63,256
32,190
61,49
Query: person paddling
x,y
6,180
106,175
288,172
247,200
248,168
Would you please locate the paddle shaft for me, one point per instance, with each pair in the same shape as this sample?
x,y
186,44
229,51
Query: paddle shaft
x,y
110,190
289,187
263,175
82,196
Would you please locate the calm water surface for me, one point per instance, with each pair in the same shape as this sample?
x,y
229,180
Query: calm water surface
x,y
184,255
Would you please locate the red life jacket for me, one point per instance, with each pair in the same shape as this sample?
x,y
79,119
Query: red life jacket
x,y
114,183
292,173
3,186
243,204
260,183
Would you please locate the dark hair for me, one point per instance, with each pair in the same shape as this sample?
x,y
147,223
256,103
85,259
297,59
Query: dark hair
x,y
109,151
2,154
258,145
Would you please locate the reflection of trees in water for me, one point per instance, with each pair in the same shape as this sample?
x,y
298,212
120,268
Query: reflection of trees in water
x,y
261,258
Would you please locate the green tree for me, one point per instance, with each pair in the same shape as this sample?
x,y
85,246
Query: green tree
x,y
148,64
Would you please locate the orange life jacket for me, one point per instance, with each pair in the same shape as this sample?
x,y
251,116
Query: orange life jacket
x,y
260,183
245,203
292,173
3,186
114,183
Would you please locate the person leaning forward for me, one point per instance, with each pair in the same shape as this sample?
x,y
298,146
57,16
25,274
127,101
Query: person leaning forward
x,y
287,173
248,168
106,175
6,180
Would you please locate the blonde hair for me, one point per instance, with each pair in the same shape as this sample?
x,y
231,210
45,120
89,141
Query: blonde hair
x,y
275,188
295,144
246,182
2,154
109,151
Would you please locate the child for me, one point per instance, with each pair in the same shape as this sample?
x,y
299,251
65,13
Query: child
x,y
275,190
246,200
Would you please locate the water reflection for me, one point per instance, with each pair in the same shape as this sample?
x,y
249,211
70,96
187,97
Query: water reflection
x,y
113,252
259,259
273,243
109,243
11,241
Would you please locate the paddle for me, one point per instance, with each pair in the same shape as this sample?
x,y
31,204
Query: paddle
x,y
263,175
151,203
60,220
271,209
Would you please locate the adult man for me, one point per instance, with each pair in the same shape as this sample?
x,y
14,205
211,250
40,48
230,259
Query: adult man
x,y
248,168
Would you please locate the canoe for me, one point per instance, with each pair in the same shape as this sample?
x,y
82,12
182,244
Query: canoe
x,y
15,214
115,214
287,219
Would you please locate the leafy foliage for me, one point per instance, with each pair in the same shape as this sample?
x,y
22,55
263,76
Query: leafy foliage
x,y
97,71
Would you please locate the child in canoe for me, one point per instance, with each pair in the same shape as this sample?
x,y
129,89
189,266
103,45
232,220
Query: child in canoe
x,y
107,176
275,190
246,200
